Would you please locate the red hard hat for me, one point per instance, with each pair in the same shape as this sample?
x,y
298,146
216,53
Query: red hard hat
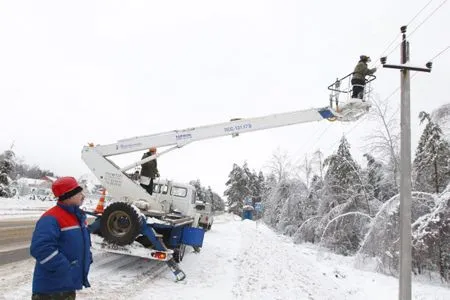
x,y
65,187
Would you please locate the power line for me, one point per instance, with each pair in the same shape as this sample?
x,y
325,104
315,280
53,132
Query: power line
x,y
409,23
420,11
393,41
440,53
345,133
421,23
428,17
316,140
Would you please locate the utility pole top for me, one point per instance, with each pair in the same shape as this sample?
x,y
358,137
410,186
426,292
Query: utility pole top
x,y
405,57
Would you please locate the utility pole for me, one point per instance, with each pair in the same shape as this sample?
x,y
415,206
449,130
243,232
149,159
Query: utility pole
x,y
405,165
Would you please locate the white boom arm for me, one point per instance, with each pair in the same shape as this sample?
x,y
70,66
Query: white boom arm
x,y
120,187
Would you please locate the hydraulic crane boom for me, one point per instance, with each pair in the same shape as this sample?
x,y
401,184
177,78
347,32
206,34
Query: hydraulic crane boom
x,y
122,188
184,136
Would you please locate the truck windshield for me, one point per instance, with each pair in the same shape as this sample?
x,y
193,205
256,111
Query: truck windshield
x,y
178,191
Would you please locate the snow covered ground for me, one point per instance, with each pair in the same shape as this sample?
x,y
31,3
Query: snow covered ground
x,y
23,207
239,260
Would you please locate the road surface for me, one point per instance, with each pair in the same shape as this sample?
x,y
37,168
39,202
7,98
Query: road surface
x,y
15,238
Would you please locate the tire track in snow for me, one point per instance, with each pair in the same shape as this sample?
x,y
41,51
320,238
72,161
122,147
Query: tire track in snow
x,y
111,275
125,279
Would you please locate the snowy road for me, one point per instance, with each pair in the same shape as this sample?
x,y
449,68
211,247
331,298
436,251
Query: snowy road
x,y
239,260
15,236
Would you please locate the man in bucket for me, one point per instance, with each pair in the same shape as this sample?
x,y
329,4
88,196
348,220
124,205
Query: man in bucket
x,y
61,245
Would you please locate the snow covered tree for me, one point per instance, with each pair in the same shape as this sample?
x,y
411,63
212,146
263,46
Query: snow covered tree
x,y
208,195
237,189
441,116
382,240
279,204
306,169
199,190
280,166
318,160
218,204
431,240
293,196
342,180
374,176
432,161
344,203
383,140
378,184
7,166
261,186
314,194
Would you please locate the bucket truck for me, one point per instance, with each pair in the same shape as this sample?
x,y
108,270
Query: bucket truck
x,y
140,224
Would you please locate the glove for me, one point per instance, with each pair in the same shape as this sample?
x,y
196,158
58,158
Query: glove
x,y
157,174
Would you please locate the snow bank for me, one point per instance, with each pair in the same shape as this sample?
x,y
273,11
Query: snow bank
x,y
20,207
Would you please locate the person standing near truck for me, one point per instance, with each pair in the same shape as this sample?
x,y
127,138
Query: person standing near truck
x,y
61,245
149,171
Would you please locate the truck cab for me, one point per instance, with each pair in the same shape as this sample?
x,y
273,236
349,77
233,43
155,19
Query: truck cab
x,y
180,196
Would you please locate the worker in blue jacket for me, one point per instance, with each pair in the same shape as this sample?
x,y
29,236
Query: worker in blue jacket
x,y
61,245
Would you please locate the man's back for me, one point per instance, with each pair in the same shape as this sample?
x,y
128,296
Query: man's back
x,y
149,169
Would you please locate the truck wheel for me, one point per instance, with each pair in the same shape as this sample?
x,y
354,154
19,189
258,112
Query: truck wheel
x,y
178,253
120,223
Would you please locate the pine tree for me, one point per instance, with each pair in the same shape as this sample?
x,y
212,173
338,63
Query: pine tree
x,y
344,193
375,179
260,186
314,194
217,202
341,178
432,161
374,175
431,240
7,166
199,190
237,189
208,195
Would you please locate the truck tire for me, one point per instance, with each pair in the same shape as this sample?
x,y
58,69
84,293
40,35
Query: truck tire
x,y
120,223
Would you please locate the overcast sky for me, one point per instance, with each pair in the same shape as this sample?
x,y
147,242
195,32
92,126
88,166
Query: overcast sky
x,y
99,71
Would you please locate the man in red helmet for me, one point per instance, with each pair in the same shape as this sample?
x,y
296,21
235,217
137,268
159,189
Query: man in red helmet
x,y
61,245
